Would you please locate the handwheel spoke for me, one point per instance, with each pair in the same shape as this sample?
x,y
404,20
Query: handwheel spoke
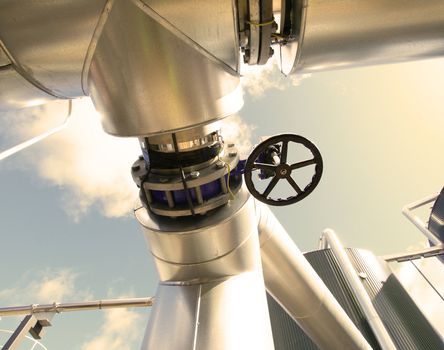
x,y
303,164
284,152
270,186
294,185
263,166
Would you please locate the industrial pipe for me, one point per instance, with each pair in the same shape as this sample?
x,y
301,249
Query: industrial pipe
x,y
292,281
78,306
364,301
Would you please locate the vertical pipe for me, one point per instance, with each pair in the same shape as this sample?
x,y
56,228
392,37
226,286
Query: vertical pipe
x,y
212,292
361,295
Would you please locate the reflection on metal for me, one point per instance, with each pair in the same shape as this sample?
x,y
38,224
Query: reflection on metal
x,y
293,283
384,339
211,294
418,254
436,220
415,220
338,34
48,40
4,60
211,23
78,306
16,92
20,147
175,83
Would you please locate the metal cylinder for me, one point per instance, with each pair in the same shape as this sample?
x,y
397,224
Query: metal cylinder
x,y
364,301
147,75
212,293
337,34
291,280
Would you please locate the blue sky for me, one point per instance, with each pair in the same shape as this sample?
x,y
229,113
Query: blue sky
x,y
379,130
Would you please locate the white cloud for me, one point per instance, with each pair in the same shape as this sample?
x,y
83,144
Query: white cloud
x,y
45,287
122,329
256,80
93,166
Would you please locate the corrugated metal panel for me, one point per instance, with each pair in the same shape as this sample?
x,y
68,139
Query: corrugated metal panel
x,y
404,321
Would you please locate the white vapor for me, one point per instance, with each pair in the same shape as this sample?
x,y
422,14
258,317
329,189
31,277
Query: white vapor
x,y
93,166
45,287
120,330
235,130
256,80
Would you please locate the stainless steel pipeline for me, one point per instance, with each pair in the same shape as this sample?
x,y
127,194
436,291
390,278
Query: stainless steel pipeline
x,y
212,292
291,280
158,66
345,33
364,301
149,66
78,306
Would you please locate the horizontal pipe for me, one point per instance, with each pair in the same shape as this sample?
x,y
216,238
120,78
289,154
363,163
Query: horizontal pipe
x,y
364,301
295,285
418,254
78,306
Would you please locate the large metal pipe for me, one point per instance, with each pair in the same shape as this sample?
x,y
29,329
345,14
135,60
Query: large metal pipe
x,y
364,301
338,34
291,280
152,69
212,293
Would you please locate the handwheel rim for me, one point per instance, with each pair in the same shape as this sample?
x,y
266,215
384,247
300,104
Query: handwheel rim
x,y
285,139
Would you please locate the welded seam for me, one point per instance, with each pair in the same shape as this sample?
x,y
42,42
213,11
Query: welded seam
x,y
206,261
197,315
93,44
182,36
27,76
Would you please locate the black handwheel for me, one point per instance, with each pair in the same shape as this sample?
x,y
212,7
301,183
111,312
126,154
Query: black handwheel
x,y
283,170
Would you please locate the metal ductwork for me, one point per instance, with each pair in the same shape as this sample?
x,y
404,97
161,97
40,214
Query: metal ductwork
x,y
335,34
294,284
211,293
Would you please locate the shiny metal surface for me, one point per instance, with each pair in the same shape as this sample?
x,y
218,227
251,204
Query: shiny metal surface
x,y
212,294
363,299
226,314
4,60
146,77
211,23
48,40
291,280
414,255
182,243
345,33
79,306
189,139
16,92
408,211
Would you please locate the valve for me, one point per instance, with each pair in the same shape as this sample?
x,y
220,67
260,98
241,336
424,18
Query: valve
x,y
271,159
